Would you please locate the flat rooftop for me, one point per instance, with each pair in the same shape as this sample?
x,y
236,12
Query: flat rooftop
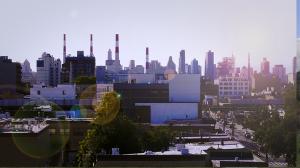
x,y
196,149
21,126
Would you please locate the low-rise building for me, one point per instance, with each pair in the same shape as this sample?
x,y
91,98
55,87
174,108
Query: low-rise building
x,y
61,92
233,86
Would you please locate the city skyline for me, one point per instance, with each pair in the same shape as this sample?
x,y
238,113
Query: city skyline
x,y
167,31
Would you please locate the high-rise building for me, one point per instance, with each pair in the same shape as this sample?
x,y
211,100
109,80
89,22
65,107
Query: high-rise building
x,y
171,65
280,72
188,69
181,65
155,67
265,67
209,65
10,75
195,67
48,70
226,67
27,76
78,66
294,68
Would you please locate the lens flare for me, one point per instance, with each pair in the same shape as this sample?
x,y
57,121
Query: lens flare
x,y
46,138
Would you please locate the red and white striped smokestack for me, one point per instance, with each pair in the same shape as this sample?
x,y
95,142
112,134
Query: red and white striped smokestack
x,y
147,59
64,49
91,46
117,47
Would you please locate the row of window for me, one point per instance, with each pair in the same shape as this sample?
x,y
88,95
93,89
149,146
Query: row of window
x,y
233,93
39,92
234,88
246,83
236,79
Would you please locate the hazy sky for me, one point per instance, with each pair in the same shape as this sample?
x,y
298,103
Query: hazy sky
x,y
265,28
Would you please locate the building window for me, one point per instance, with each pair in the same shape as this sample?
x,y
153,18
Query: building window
x,y
39,92
63,92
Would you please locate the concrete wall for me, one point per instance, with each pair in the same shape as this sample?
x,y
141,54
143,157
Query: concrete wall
x,y
162,112
49,93
141,78
185,88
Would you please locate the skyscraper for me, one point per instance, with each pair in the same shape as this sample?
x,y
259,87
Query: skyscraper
x,y
181,65
265,67
280,72
195,67
209,65
171,65
27,76
48,70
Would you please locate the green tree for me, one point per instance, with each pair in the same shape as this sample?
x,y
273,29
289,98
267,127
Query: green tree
x,y
116,131
107,109
85,80
278,136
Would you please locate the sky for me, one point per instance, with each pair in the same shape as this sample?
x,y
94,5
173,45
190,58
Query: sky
x,y
263,28
298,18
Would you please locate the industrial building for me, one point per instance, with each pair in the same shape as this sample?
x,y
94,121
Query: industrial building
x,y
144,100
61,92
10,75
80,65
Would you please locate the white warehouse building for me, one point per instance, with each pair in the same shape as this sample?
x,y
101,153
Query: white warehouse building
x,y
184,100
162,112
61,92
233,86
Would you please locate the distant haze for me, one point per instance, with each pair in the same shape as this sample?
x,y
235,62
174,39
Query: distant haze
x,y
263,28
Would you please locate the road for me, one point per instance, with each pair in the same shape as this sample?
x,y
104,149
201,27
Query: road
x,y
239,135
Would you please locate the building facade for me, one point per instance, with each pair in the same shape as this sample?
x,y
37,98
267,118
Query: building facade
x,y
61,92
10,75
181,65
27,76
78,66
48,70
280,72
265,67
233,86
226,67
209,65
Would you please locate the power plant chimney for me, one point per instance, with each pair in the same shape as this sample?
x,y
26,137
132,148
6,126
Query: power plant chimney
x,y
91,46
117,48
147,59
64,49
